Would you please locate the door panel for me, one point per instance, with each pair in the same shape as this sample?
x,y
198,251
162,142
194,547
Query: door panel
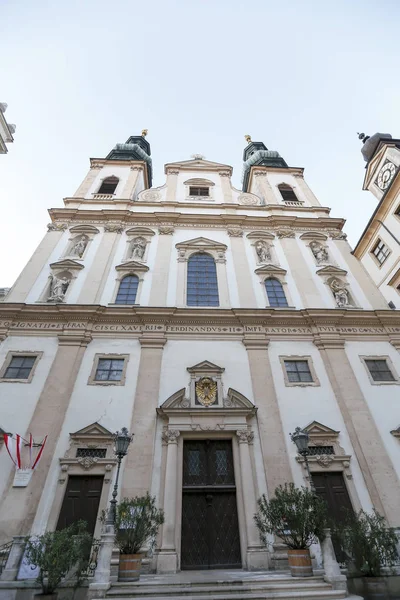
x,y
81,501
210,531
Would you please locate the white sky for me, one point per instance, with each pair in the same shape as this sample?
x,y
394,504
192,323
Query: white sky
x,y
81,75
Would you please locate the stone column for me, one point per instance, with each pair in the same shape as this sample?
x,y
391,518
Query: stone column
x,y
14,559
159,282
275,457
256,553
244,281
167,561
379,475
131,182
138,468
302,274
38,260
96,278
20,504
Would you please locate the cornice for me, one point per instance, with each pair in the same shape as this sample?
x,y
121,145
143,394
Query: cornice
x,y
127,218
326,327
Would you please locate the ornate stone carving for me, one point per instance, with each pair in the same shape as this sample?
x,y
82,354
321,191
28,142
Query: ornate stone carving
x,y
340,293
246,436
224,173
150,196
325,460
285,233
87,462
320,252
259,173
96,166
56,227
114,228
58,288
166,230
170,436
206,391
338,235
248,199
172,171
138,248
263,251
136,168
235,231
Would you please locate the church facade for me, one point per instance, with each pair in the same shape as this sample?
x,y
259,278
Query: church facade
x,y
210,322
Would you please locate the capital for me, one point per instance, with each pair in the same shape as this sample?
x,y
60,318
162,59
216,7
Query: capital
x,y
246,436
170,436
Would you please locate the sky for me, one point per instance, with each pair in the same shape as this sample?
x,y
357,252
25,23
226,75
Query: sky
x,y
80,76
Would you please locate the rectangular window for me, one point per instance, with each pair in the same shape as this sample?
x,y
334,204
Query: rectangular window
x,y
199,191
298,371
288,195
19,366
381,252
379,370
109,369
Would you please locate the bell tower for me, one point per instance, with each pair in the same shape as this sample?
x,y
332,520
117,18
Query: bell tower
x,y
382,154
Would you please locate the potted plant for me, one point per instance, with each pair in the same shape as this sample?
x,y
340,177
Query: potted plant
x,y
370,549
137,523
58,554
298,517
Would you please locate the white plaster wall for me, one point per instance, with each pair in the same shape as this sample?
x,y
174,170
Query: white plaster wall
x,y
178,355
122,172
111,406
39,286
383,400
18,400
299,406
109,288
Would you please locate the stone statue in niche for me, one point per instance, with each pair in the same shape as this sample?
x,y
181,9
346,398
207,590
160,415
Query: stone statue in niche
x,y
79,247
340,293
263,251
58,288
138,248
320,253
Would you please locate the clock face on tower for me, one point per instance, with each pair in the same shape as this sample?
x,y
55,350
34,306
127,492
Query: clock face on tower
x,y
385,175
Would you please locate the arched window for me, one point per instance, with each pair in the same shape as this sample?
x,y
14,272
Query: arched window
x,y
127,290
109,185
275,293
287,193
202,284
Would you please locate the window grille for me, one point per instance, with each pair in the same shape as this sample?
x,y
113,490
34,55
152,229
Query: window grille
x,y
91,452
199,191
109,369
381,252
20,367
109,185
380,370
127,290
298,371
320,450
202,283
275,293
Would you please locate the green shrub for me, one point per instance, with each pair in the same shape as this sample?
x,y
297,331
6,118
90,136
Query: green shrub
x,y
58,554
296,515
137,522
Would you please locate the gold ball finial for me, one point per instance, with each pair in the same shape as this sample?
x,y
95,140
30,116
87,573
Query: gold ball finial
x,y
144,132
247,138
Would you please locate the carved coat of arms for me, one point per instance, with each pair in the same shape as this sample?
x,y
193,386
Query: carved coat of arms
x,y
206,391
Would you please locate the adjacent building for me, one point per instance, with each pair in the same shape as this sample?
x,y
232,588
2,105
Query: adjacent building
x,y
379,246
211,322
6,130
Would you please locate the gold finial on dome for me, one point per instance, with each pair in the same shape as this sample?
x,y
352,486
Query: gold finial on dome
x,y
247,138
144,132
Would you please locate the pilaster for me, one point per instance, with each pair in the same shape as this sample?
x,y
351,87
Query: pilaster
x,y
244,281
275,457
131,182
264,187
308,193
379,475
88,181
172,183
226,186
302,274
138,466
159,282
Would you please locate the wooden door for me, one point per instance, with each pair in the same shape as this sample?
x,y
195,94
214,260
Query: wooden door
x,y
210,530
81,501
331,487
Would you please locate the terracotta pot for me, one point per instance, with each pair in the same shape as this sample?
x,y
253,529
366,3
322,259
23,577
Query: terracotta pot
x,y
375,588
129,567
300,563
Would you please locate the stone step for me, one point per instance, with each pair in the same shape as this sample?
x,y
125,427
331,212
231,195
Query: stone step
x,y
262,595
217,588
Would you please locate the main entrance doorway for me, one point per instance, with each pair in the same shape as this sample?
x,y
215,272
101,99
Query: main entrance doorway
x,y
210,530
81,501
